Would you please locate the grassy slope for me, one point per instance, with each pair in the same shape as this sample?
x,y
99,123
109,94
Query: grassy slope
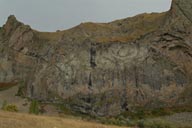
x,y
124,30
16,120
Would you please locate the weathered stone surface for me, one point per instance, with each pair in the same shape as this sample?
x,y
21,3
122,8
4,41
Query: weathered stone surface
x,y
104,69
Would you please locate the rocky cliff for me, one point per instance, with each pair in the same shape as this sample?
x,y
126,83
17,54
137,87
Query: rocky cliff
x,y
107,68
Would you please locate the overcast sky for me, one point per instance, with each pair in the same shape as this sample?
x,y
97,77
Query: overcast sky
x,y
52,15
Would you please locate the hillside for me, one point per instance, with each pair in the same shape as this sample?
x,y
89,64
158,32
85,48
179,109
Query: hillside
x,y
106,69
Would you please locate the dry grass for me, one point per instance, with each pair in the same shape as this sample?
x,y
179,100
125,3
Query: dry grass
x,y
51,36
135,27
124,30
16,120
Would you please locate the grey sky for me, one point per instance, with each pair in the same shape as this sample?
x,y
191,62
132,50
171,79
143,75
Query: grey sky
x,y
51,15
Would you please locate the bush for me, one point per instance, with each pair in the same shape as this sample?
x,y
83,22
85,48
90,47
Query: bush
x,y
9,107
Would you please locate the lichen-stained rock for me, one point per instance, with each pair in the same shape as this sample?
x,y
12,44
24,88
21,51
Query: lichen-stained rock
x,y
104,69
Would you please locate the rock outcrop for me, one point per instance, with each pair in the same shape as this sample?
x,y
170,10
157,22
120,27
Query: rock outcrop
x,y
104,69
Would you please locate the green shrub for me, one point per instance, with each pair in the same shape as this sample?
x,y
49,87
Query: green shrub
x,y
34,107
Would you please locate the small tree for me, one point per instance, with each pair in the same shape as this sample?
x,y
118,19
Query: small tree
x,y
34,107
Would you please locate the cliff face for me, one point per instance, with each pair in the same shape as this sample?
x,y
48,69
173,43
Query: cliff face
x,y
104,69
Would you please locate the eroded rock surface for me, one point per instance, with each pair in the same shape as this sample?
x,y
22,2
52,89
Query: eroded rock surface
x,y
104,69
